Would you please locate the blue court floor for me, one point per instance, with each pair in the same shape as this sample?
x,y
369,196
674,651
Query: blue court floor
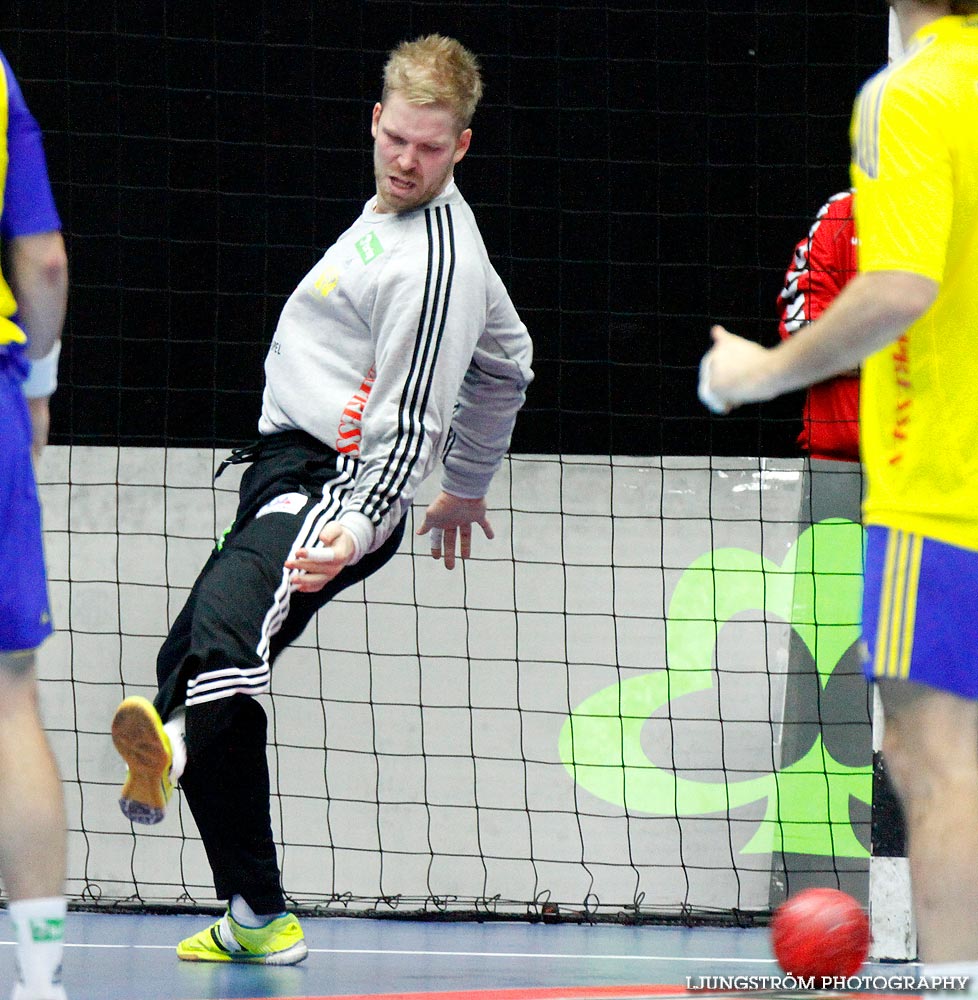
x,y
115,956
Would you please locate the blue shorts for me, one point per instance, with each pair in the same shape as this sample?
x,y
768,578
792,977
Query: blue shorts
x,y
25,618
919,611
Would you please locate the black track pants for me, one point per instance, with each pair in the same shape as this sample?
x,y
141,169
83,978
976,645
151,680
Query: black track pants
x,y
238,617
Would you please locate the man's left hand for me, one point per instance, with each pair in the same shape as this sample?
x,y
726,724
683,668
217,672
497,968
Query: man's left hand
x,y
449,519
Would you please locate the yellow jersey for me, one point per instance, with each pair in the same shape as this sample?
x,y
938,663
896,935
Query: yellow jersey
x,y
915,173
10,333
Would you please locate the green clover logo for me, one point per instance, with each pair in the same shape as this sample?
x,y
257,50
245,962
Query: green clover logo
x,y
817,590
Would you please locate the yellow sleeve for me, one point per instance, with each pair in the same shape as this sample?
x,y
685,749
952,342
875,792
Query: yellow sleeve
x,y
901,170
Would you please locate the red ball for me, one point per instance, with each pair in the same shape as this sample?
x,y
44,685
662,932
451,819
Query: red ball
x,y
820,932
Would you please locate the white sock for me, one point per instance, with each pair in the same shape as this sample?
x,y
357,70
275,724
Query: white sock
x,y
176,728
243,914
39,926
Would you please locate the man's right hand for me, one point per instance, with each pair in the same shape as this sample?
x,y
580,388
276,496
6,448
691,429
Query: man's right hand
x,y
40,411
315,573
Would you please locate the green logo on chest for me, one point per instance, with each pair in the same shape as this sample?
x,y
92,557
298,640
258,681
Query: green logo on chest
x,y
368,247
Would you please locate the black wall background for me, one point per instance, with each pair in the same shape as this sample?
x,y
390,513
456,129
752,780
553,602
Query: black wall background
x,y
640,171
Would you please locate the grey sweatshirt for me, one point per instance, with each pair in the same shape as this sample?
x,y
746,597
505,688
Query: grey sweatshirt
x,y
399,347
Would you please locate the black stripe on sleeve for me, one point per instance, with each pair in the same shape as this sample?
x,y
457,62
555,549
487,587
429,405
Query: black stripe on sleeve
x,y
413,404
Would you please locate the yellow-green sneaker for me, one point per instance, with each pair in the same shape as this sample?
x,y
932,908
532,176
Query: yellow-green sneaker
x,y
139,736
279,942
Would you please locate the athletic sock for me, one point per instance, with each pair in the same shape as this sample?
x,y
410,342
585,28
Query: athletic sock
x,y
39,927
243,914
176,729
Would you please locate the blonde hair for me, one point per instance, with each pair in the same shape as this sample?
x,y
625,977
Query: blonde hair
x,y
435,70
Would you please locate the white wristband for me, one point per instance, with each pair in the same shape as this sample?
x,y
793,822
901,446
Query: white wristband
x,y
43,379
707,397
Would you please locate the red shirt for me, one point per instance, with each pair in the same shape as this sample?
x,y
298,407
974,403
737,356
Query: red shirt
x,y
821,265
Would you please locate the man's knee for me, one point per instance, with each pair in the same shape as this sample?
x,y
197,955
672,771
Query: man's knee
x,y
18,686
17,664
930,738
225,722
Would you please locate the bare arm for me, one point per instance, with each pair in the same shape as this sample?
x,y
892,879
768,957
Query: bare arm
x,y
39,279
873,310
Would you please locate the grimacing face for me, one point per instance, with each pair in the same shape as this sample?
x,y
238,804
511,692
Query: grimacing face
x,y
416,147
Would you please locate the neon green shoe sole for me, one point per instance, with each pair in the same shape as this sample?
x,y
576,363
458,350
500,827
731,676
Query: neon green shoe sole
x,y
279,942
139,736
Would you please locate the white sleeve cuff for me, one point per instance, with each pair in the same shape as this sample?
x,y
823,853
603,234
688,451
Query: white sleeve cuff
x,y
361,528
43,378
